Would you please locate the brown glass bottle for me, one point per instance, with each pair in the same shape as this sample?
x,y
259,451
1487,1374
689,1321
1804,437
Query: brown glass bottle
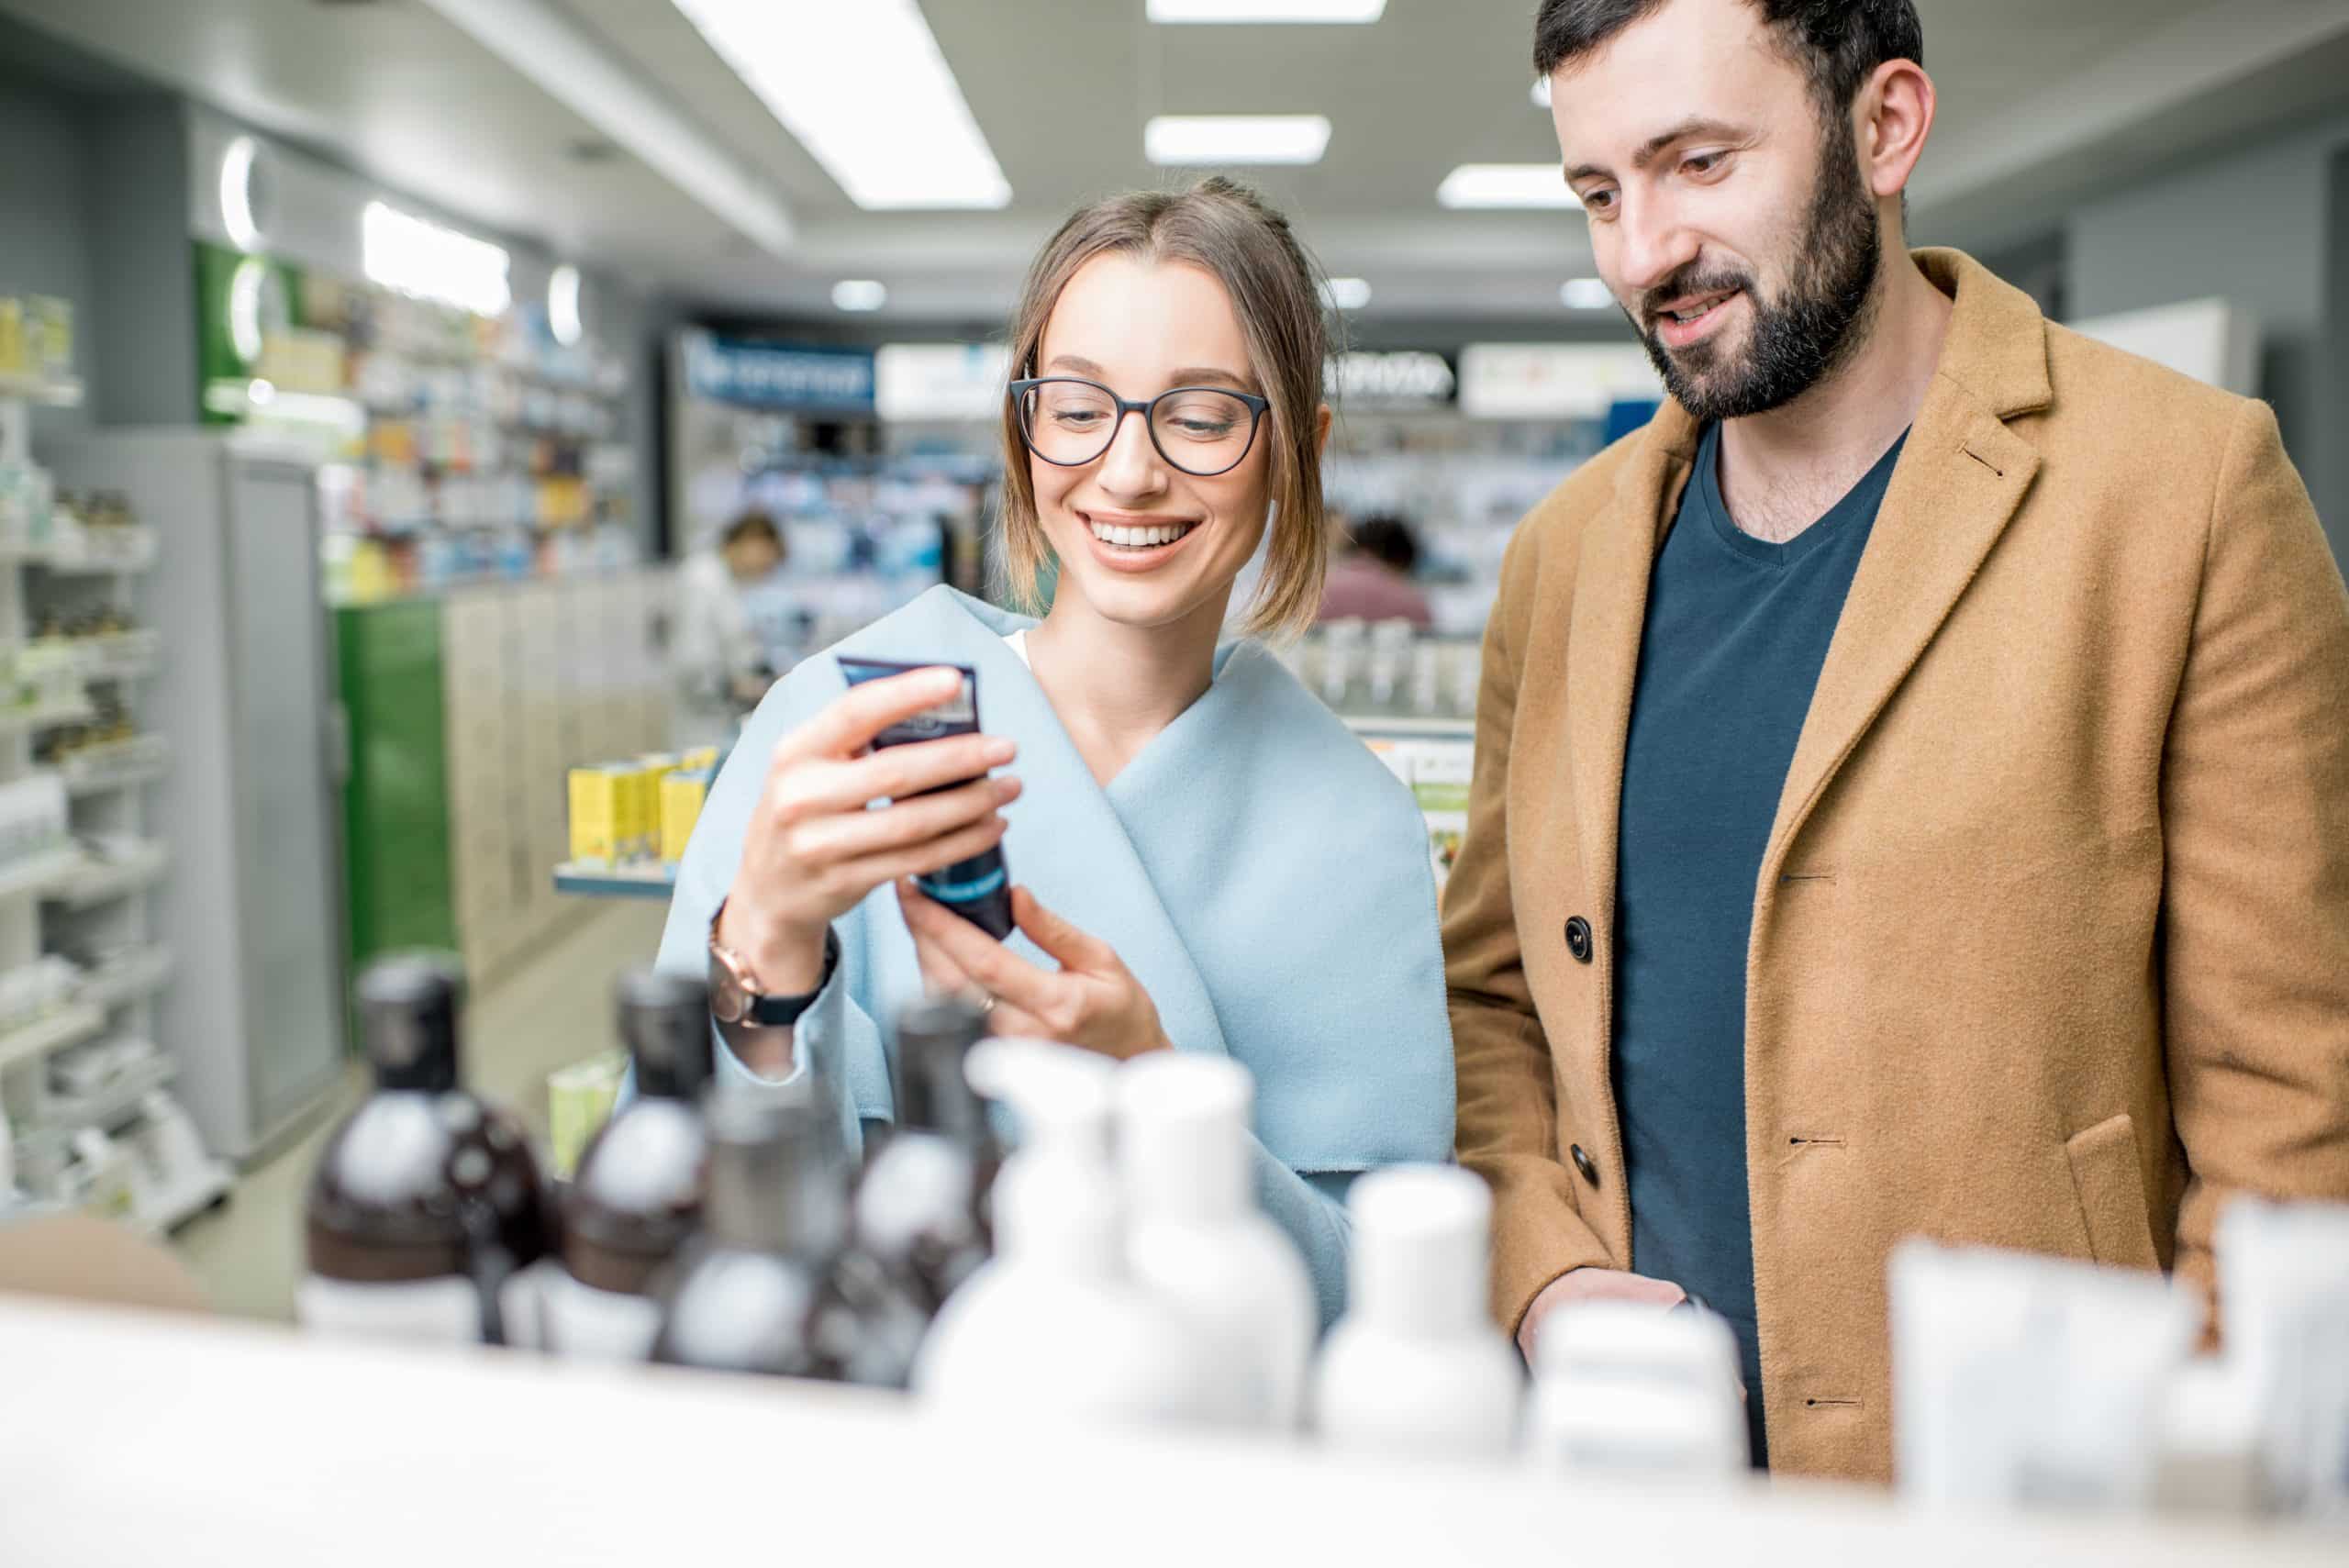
x,y
638,1193
427,1204
751,1292
920,1217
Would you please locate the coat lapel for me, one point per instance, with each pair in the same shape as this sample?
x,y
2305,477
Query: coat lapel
x,y
1958,483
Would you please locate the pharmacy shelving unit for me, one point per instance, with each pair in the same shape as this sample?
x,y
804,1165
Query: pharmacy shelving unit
x,y
92,900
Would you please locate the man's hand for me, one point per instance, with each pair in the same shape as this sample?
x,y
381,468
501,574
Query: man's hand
x,y
1592,1284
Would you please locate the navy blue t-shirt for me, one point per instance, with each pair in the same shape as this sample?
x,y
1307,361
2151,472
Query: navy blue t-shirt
x,y
1737,631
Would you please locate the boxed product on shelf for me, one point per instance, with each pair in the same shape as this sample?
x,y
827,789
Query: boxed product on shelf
x,y
683,795
32,817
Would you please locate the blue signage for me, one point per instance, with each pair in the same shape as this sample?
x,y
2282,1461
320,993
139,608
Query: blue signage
x,y
793,379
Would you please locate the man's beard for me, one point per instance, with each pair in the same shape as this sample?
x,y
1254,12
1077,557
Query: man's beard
x,y
1797,341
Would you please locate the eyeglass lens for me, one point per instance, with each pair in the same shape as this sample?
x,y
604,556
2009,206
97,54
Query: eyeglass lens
x,y
1199,429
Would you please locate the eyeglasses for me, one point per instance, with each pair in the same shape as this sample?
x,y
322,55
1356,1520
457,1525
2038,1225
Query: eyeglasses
x,y
1202,431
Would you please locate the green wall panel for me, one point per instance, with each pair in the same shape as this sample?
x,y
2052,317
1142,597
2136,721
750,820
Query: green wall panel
x,y
396,805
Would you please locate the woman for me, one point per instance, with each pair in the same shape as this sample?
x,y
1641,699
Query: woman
x,y
721,670
1210,861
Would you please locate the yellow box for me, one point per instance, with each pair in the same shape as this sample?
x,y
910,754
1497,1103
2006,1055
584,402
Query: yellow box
x,y
682,794
701,759
600,804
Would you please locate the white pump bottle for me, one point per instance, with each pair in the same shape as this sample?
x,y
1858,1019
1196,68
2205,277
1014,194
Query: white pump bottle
x,y
1416,1367
1195,1239
1053,1327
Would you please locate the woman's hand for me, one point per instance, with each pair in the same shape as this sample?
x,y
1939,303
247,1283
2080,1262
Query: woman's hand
x,y
1093,1000
812,849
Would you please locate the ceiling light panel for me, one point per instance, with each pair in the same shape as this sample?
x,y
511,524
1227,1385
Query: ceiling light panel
x,y
1183,140
859,295
1352,11
1506,186
862,85
1585,294
1347,294
412,256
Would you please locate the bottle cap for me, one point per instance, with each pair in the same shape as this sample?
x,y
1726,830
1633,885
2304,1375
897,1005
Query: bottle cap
x,y
664,1019
933,1036
1182,1124
775,1184
408,1007
1418,1260
1056,1198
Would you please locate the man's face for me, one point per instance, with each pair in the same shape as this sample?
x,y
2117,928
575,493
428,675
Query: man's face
x,y
1727,218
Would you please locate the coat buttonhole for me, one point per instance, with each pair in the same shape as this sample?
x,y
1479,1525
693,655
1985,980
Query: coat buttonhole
x,y
1986,463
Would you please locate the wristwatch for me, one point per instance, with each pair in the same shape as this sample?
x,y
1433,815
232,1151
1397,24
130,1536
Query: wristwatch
x,y
737,997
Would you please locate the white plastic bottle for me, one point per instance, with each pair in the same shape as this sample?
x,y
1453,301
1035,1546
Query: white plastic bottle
x,y
1195,1239
1635,1389
1053,1327
1417,1366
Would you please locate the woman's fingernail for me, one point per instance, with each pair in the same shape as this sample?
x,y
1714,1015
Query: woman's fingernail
x,y
1006,789
998,751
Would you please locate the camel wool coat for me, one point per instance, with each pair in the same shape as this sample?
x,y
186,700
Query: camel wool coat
x,y
2050,941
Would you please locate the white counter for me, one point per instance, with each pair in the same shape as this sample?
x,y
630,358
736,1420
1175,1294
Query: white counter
x,y
153,1442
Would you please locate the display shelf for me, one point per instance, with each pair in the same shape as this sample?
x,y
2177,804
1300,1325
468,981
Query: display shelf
x,y
68,1025
38,873
114,764
128,978
96,881
50,392
95,553
114,656
1372,726
191,1196
106,1108
47,714
592,881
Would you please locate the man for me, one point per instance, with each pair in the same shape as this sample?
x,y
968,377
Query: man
x,y
1912,775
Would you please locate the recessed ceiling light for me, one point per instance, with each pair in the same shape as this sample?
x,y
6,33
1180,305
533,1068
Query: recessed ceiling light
x,y
1506,186
237,204
1354,11
1585,294
866,91
1540,91
1177,141
859,295
562,306
1346,294
408,255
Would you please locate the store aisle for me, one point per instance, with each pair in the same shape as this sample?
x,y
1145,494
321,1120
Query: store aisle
x,y
553,1011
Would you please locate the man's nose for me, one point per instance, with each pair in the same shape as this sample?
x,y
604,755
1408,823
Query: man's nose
x,y
1652,243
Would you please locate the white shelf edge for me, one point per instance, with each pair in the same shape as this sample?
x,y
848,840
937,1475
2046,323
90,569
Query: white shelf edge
x,y
106,1110
50,392
95,882
45,716
70,1025
38,873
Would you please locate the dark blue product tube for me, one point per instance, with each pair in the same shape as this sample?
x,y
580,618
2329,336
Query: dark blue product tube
x,y
978,889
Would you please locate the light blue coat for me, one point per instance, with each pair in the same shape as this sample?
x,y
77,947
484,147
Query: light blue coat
x,y
1262,875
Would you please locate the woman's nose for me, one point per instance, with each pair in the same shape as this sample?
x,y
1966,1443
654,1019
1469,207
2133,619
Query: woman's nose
x,y
1131,466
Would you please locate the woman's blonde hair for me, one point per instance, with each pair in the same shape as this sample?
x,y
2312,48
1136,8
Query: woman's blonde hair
x,y
1235,235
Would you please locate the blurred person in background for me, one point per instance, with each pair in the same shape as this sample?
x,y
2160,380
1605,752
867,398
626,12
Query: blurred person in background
x,y
1938,821
720,665
1210,861
1370,578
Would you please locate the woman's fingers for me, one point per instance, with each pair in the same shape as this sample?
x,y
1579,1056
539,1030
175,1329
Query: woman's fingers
x,y
872,871
826,787
991,966
847,724
908,824
1076,948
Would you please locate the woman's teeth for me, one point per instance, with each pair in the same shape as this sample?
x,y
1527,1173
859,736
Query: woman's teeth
x,y
1139,538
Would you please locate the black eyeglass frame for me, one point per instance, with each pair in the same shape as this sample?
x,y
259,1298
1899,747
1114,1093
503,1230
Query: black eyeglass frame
x,y
1147,408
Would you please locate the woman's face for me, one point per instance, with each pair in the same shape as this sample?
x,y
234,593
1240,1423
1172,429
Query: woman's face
x,y
1142,328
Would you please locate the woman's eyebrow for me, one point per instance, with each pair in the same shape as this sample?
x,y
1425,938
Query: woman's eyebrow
x,y
1081,366
1197,375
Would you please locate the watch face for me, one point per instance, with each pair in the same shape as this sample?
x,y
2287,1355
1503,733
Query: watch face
x,y
729,1002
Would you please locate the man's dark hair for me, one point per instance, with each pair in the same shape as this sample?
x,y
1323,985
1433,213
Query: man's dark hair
x,y
1838,43
1383,536
752,525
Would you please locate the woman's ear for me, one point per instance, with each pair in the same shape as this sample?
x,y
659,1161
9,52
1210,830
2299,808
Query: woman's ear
x,y
1323,421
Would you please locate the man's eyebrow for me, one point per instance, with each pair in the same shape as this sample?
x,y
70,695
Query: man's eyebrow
x,y
1654,147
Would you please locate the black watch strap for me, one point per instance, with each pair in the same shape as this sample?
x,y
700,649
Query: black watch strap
x,y
782,1012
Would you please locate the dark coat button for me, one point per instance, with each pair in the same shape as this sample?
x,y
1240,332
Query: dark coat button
x,y
1586,1164
1578,939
